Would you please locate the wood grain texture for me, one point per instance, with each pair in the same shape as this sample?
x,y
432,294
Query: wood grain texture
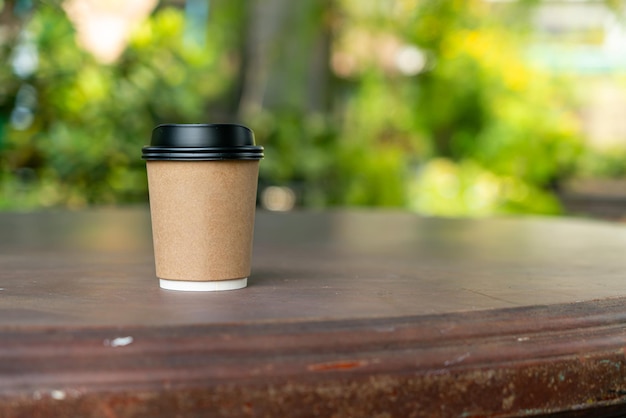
x,y
347,314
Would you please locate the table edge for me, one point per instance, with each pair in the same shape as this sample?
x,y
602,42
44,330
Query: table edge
x,y
543,358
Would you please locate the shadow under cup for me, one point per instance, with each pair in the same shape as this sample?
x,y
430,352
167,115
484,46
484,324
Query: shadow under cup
x,y
202,182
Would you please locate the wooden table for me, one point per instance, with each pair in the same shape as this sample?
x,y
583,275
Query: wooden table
x,y
347,314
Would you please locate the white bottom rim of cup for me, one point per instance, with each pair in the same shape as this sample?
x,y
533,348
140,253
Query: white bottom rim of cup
x,y
209,286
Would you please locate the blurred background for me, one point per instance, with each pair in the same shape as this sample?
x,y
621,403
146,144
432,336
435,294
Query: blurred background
x,y
441,107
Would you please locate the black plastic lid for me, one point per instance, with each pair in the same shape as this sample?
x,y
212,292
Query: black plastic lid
x,y
202,142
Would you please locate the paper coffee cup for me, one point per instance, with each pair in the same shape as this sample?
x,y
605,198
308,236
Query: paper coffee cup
x,y
202,182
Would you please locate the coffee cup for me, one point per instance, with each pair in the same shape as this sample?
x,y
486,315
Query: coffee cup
x,y
202,184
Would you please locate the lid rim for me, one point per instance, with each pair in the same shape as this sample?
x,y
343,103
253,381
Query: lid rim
x,y
244,148
205,154
202,158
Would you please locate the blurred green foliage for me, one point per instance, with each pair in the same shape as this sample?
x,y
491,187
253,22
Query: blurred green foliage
x,y
91,120
475,131
480,132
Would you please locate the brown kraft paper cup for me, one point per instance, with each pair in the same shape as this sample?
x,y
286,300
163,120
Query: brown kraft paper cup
x,y
202,219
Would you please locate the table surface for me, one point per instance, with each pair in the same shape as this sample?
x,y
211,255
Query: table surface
x,y
352,313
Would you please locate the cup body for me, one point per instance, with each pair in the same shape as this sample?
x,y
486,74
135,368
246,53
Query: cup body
x,y
202,220
202,212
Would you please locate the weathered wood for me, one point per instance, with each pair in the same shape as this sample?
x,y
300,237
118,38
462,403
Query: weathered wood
x,y
348,314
